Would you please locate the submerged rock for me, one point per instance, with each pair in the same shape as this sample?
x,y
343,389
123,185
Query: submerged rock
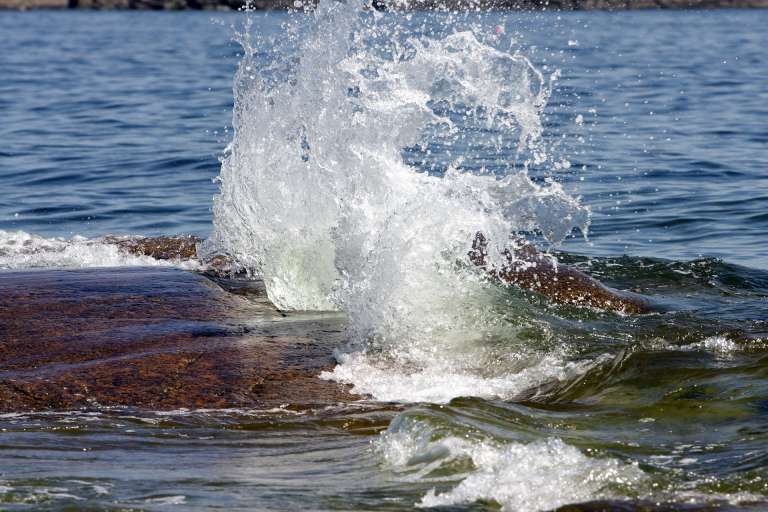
x,y
155,338
526,268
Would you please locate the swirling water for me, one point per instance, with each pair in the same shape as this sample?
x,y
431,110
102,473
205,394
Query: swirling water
x,y
113,123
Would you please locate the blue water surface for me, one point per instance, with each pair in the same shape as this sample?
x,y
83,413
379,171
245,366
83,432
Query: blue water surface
x,y
112,122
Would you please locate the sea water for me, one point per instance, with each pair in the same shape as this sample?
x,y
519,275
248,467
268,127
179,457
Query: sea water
x,y
365,152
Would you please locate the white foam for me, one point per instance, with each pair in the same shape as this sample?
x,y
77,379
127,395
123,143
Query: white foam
x,y
167,500
718,344
540,475
444,379
21,250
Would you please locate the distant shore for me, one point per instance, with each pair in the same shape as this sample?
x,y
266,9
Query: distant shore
x,y
566,5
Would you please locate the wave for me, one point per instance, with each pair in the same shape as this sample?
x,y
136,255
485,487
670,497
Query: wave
x,y
539,475
317,197
20,250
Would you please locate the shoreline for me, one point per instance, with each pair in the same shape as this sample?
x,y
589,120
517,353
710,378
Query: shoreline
x,y
502,5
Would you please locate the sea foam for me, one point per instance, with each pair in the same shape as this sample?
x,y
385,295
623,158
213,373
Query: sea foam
x,y
540,475
21,250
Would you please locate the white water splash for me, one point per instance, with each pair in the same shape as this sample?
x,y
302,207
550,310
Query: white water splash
x,y
472,373
20,250
317,198
718,344
541,475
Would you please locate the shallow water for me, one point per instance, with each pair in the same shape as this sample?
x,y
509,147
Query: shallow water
x,y
575,406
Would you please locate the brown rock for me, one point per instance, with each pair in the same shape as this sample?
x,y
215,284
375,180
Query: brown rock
x,y
154,338
529,269
34,4
526,268
182,247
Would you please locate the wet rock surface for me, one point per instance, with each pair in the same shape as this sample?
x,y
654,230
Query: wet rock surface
x,y
158,339
526,268
531,270
181,247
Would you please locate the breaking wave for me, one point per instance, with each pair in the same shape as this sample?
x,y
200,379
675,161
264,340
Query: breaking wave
x,y
20,250
540,475
318,198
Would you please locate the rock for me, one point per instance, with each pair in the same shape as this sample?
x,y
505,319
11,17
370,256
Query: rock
x,y
24,5
100,4
526,268
163,338
158,339
182,247
529,269
179,248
